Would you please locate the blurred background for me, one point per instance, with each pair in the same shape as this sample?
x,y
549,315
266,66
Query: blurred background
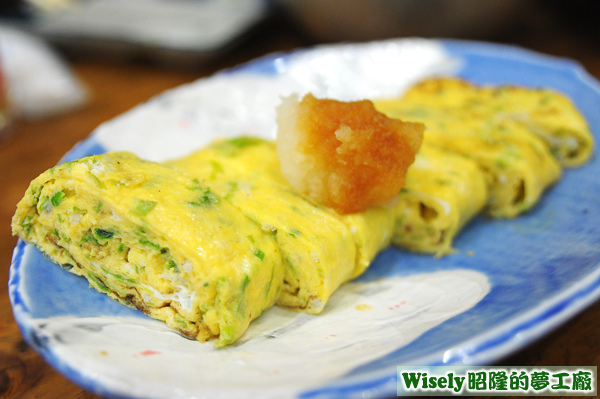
x,y
191,32
40,40
44,38
66,66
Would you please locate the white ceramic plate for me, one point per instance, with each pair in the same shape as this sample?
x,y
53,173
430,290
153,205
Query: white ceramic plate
x,y
510,282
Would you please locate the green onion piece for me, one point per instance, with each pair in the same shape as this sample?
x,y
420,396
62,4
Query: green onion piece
x,y
144,207
106,234
268,287
243,141
216,169
150,244
27,221
172,265
88,237
502,163
294,233
245,283
95,180
195,185
181,322
57,198
233,186
98,282
206,199
259,254
230,147
43,204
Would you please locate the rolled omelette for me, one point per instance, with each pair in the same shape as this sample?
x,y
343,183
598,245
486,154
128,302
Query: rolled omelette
x,y
545,112
517,163
155,239
443,192
320,249
550,115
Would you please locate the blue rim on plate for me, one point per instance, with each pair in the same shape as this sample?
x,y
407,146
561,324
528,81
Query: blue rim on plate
x,y
544,267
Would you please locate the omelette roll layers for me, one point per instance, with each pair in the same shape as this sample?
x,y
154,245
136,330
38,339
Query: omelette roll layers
x,y
320,249
155,239
317,250
518,164
547,113
550,115
444,190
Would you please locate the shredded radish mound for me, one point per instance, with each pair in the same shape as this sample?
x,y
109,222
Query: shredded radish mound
x,y
344,155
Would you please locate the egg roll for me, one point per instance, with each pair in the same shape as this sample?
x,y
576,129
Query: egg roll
x,y
155,239
320,248
518,164
550,115
444,191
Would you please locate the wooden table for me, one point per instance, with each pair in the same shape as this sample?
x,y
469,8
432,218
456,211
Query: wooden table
x,y
116,87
